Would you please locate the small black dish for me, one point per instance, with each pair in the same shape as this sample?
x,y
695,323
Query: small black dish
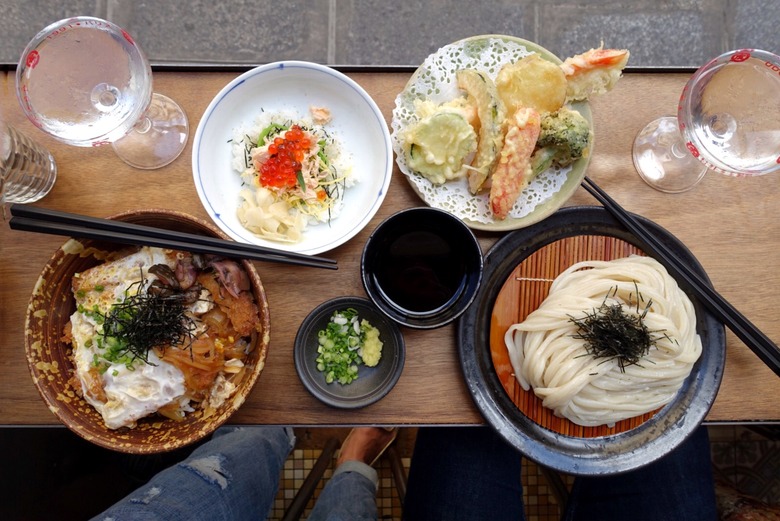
x,y
422,267
373,383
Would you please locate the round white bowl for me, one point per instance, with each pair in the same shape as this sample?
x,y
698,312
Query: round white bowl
x,y
294,86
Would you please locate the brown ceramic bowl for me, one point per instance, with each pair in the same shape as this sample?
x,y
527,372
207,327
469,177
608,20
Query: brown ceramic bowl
x,y
48,356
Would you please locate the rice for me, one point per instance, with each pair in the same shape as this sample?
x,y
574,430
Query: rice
x,y
245,139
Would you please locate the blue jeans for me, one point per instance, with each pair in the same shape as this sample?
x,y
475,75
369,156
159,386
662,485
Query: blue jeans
x,y
470,473
466,473
235,476
463,473
679,486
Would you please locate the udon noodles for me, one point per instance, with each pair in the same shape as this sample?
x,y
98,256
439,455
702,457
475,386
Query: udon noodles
x,y
549,355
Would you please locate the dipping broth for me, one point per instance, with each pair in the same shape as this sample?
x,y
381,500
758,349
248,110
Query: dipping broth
x,y
420,271
422,267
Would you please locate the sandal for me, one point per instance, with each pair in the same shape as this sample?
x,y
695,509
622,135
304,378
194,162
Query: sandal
x,y
374,449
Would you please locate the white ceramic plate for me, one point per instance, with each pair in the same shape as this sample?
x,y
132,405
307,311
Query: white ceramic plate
x,y
294,86
435,80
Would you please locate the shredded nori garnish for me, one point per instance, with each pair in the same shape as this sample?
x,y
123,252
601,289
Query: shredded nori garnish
x,y
611,333
146,320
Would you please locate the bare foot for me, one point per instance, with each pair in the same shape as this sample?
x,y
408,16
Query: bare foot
x,y
365,444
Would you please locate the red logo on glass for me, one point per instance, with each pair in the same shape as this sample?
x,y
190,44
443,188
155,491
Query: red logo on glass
x,y
692,148
740,56
32,59
127,36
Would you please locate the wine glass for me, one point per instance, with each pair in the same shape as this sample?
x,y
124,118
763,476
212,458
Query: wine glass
x,y
85,82
728,120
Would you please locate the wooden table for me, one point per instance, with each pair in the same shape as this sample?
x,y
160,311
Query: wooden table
x,y
730,224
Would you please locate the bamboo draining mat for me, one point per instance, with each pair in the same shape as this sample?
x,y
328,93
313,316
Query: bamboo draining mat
x,y
523,291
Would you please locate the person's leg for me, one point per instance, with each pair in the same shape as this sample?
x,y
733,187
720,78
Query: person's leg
x,y
679,486
467,473
235,475
350,494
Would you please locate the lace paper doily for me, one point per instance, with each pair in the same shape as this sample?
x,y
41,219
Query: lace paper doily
x,y
435,80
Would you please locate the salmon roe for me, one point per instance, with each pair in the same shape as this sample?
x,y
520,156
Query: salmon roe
x,y
281,169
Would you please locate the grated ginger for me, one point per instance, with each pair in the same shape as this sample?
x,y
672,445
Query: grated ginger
x,y
371,351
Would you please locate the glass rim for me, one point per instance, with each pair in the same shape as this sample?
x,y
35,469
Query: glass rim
x,y
704,72
29,59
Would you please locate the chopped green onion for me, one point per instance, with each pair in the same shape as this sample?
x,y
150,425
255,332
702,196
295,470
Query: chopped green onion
x,y
273,128
338,347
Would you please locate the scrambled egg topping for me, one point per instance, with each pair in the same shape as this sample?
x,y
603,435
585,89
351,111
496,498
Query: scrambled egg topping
x,y
121,393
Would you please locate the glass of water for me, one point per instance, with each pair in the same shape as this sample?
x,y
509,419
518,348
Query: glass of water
x,y
85,82
27,169
728,120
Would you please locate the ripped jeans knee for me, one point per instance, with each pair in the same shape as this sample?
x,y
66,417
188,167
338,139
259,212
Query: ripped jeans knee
x,y
148,496
211,468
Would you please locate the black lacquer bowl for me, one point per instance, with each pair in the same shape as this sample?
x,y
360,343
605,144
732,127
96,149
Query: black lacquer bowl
x,y
571,235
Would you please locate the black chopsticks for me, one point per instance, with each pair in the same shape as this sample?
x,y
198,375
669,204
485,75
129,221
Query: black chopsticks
x,y
41,220
757,341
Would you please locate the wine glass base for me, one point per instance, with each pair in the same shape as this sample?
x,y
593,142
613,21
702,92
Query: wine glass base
x,y
158,139
663,161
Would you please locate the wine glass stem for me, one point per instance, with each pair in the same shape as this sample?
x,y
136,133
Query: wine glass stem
x,y
662,158
678,149
157,138
143,126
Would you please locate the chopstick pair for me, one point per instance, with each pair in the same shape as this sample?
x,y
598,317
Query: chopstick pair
x,y
745,330
32,219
